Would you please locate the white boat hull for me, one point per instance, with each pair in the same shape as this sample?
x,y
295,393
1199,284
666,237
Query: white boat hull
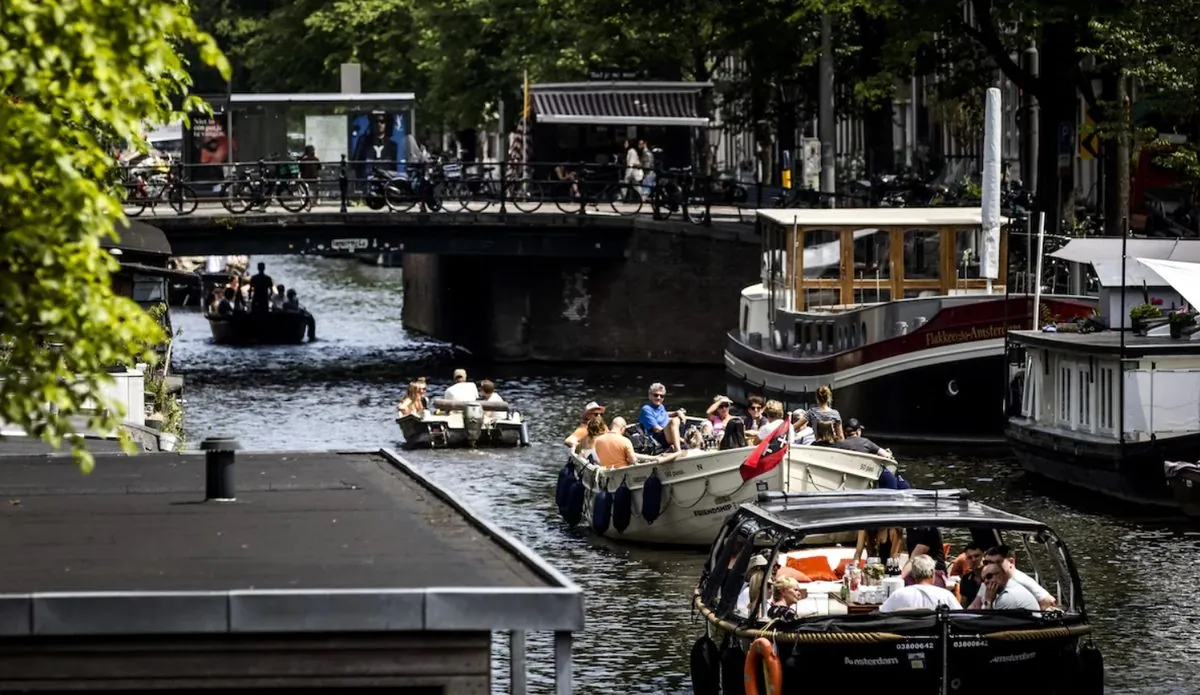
x,y
701,489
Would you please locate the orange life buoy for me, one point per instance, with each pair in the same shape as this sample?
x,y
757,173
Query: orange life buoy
x,y
762,654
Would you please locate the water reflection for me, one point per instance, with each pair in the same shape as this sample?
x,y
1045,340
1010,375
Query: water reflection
x,y
1138,573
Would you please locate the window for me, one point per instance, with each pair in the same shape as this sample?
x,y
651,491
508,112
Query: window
x,y
872,295
1104,399
872,255
745,317
1064,390
968,248
815,297
1084,392
923,254
822,255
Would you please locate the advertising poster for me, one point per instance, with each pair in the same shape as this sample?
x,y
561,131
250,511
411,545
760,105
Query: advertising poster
x,y
377,139
206,148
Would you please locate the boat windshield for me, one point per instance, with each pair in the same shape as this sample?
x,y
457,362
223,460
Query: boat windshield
x,y
894,574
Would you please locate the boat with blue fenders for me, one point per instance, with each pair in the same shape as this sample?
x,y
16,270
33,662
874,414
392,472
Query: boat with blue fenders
x,y
683,501
823,641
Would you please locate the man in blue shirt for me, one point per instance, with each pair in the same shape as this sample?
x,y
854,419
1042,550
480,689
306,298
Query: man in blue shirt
x,y
660,425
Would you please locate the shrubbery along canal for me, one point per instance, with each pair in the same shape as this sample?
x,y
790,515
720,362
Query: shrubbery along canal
x,y
1139,575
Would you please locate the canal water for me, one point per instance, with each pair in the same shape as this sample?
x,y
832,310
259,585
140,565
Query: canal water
x,y
1141,576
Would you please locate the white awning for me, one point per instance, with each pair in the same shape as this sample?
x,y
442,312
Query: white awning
x,y
1108,274
876,217
325,98
619,103
1109,249
1184,277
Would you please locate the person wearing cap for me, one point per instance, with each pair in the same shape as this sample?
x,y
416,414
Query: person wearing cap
x,y
591,410
461,389
854,440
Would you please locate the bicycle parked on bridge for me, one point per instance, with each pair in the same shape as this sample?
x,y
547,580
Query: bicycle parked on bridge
x,y
145,188
478,192
255,190
677,191
425,184
588,188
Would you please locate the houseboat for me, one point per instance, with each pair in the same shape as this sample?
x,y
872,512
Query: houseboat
x,y
1117,411
833,631
893,309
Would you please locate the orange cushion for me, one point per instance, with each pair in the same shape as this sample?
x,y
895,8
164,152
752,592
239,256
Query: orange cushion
x,y
841,568
793,573
817,568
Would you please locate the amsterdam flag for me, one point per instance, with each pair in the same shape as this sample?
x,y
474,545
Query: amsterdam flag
x,y
769,452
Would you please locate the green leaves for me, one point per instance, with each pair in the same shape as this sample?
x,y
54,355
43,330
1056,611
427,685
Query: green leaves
x,y
75,74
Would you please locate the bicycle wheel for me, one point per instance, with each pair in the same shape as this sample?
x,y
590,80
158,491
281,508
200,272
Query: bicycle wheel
x,y
475,196
236,197
292,195
625,199
567,199
182,199
660,202
525,196
398,197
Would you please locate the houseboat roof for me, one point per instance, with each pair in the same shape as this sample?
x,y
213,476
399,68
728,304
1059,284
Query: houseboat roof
x,y
1183,277
1107,343
819,512
876,217
1110,249
314,543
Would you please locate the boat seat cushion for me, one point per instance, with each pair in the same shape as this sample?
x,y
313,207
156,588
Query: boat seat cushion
x,y
787,571
841,568
816,568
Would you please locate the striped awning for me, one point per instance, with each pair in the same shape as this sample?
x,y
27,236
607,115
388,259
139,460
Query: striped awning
x,y
619,103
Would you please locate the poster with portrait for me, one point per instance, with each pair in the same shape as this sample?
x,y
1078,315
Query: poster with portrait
x,y
206,148
378,139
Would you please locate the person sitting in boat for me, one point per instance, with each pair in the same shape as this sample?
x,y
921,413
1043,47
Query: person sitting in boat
x,y
1002,592
754,419
925,541
1001,556
824,411
278,298
413,403
590,410
922,594
660,425
261,287
292,303
773,412
787,594
854,440
487,391
228,305
613,449
824,434
239,294
423,385
461,389
718,415
595,429
968,566
755,576
802,433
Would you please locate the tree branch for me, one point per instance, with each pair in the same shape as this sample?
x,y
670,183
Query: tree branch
x,y
989,39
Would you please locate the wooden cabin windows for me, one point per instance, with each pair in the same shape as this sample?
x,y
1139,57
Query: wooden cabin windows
x,y
872,255
923,254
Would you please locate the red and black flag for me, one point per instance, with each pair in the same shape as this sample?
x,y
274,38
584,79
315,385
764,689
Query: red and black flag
x,y
769,453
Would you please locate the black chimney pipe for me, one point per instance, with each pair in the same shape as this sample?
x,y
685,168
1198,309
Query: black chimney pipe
x,y
218,468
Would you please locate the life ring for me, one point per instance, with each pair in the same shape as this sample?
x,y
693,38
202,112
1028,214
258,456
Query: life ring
x,y
762,654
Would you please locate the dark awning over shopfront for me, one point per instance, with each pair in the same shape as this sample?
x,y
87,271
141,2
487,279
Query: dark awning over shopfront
x,y
620,103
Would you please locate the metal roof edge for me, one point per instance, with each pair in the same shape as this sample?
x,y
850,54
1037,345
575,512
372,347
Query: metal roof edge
x,y
500,535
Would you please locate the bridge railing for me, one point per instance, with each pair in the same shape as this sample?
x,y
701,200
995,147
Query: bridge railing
x,y
436,185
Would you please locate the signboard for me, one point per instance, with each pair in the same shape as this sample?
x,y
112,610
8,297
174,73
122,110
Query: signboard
x,y
1066,144
206,146
1089,141
377,139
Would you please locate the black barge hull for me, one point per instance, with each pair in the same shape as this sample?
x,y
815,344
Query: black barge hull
x,y
265,328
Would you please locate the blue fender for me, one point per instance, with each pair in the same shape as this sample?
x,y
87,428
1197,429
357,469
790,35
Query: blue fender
x,y
574,510
563,491
602,506
652,497
622,507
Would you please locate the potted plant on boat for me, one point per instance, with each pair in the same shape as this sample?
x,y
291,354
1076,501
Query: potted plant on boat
x,y
1180,320
1142,314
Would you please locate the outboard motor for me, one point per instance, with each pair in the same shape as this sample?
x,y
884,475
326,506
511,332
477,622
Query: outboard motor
x,y
473,422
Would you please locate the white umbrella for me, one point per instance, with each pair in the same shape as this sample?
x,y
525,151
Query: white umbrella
x,y
1184,277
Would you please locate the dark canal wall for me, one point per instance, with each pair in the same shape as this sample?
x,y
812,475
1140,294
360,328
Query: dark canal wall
x,y
670,300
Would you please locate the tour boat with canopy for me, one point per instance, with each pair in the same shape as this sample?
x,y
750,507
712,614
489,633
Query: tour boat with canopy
x,y
683,501
828,639
895,301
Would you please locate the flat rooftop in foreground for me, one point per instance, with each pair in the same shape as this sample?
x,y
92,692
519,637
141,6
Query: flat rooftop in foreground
x,y
314,542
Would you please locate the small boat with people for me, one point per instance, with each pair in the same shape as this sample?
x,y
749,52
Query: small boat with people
x,y
268,314
785,612
653,493
467,416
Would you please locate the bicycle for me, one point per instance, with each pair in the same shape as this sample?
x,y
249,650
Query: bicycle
x,y
147,189
676,190
478,192
585,190
249,191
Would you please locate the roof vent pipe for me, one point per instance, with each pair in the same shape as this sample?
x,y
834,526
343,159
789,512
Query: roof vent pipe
x,y
218,468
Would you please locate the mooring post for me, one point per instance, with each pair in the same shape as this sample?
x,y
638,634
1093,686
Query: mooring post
x,y
516,662
219,457
562,663
344,183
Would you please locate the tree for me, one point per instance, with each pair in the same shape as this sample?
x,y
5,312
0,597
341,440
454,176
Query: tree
x,y
75,77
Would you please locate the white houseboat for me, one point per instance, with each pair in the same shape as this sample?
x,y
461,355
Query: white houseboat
x,y
1108,411
895,310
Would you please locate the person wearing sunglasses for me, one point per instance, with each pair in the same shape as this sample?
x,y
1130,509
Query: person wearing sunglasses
x,y
1000,593
1001,557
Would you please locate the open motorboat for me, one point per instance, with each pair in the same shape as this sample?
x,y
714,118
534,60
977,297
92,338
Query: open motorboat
x,y
262,328
463,424
830,638
683,501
